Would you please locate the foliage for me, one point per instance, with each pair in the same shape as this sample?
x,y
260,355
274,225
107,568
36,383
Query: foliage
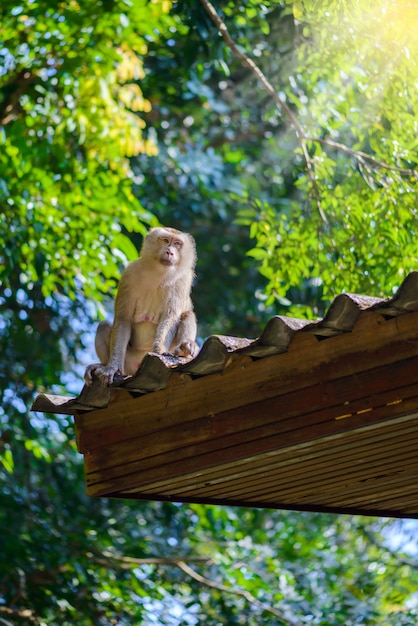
x,y
71,116
89,91
353,214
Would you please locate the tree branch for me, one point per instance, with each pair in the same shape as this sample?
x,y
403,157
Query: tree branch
x,y
127,562
237,592
282,105
21,614
363,156
221,26
12,92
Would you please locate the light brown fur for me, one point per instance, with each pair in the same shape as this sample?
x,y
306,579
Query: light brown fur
x,y
153,307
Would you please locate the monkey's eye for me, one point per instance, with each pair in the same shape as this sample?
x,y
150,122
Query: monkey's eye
x,y
165,240
177,244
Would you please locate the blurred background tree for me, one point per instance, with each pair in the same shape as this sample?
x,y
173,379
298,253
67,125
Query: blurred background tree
x,y
117,115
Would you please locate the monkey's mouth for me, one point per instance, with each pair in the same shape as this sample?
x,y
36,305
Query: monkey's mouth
x,y
167,261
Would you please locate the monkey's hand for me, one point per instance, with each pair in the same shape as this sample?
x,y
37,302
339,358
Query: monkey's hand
x,y
186,349
104,373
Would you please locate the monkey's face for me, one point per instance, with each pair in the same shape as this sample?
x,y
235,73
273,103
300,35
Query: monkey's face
x,y
170,250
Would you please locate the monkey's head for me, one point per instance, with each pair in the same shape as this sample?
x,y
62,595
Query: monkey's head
x,y
170,247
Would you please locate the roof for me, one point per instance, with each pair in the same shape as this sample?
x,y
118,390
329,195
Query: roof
x,y
311,415
156,369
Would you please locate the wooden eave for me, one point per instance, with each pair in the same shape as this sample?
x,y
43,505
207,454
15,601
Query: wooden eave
x,y
317,417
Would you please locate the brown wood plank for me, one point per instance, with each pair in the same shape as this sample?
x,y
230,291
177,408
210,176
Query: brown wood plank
x,y
368,490
360,494
396,511
319,466
284,460
372,487
314,478
376,510
173,467
313,489
406,501
167,471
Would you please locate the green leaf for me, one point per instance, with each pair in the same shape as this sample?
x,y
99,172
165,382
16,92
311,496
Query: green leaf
x,y
6,459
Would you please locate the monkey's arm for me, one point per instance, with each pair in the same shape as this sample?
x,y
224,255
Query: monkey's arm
x,y
185,339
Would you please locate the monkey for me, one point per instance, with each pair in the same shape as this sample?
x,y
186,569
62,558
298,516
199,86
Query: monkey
x,y
153,310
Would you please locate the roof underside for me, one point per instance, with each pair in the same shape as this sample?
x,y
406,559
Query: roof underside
x,y
371,471
313,416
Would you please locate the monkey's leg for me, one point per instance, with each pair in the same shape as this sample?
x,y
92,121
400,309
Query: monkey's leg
x,y
102,345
